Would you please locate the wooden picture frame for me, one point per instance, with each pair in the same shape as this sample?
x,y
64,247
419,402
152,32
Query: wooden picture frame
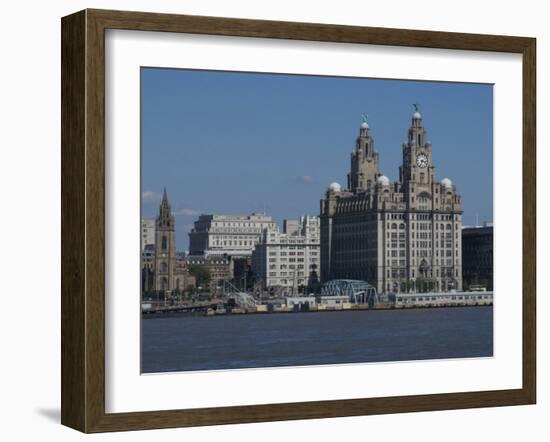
x,y
83,220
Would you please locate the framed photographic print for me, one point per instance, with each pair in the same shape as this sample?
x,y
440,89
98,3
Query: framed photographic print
x,y
268,220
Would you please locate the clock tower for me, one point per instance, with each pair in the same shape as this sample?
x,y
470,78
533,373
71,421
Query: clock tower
x,y
417,169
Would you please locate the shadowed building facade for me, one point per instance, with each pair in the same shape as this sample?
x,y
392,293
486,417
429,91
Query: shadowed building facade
x,y
401,236
477,253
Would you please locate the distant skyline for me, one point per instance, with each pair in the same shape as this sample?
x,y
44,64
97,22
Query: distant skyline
x,y
237,143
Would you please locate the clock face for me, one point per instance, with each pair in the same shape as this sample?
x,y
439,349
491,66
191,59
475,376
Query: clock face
x,y
422,161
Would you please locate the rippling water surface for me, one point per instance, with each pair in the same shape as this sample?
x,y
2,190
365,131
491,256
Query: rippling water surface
x,y
182,343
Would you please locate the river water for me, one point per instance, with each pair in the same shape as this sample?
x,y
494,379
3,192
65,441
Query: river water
x,y
183,343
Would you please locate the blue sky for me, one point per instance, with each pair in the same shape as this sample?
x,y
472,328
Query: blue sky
x,y
225,142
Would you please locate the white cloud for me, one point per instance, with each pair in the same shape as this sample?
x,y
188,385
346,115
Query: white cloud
x,y
187,212
150,197
306,179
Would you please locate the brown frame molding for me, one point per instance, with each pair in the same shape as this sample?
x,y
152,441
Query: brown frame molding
x,y
83,216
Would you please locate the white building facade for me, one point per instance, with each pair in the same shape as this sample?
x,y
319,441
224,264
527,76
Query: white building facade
x,y
232,235
147,232
287,259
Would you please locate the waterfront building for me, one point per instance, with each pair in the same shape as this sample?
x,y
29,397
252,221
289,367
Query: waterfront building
x,y
477,256
334,300
399,236
407,300
147,232
228,235
286,259
189,281
301,302
148,268
219,268
148,257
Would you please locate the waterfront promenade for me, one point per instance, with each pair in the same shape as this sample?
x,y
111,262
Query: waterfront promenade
x,y
221,306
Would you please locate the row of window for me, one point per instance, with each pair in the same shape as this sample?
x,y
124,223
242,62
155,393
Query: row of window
x,y
283,253
420,235
289,259
402,252
235,243
234,237
402,262
288,282
285,267
421,216
420,226
442,298
402,273
239,224
217,231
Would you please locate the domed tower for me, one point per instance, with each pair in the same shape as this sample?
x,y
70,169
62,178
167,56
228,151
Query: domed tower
x,y
383,181
417,164
364,161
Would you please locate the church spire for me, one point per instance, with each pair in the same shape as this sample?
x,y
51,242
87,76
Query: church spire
x,y
165,212
165,248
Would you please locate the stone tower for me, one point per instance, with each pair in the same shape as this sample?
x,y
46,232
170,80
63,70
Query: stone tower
x,y
364,162
165,247
417,167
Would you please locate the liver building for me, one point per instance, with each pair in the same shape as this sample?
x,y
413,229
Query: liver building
x,y
400,237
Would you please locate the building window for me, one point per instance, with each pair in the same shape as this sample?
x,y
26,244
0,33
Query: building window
x,y
164,244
